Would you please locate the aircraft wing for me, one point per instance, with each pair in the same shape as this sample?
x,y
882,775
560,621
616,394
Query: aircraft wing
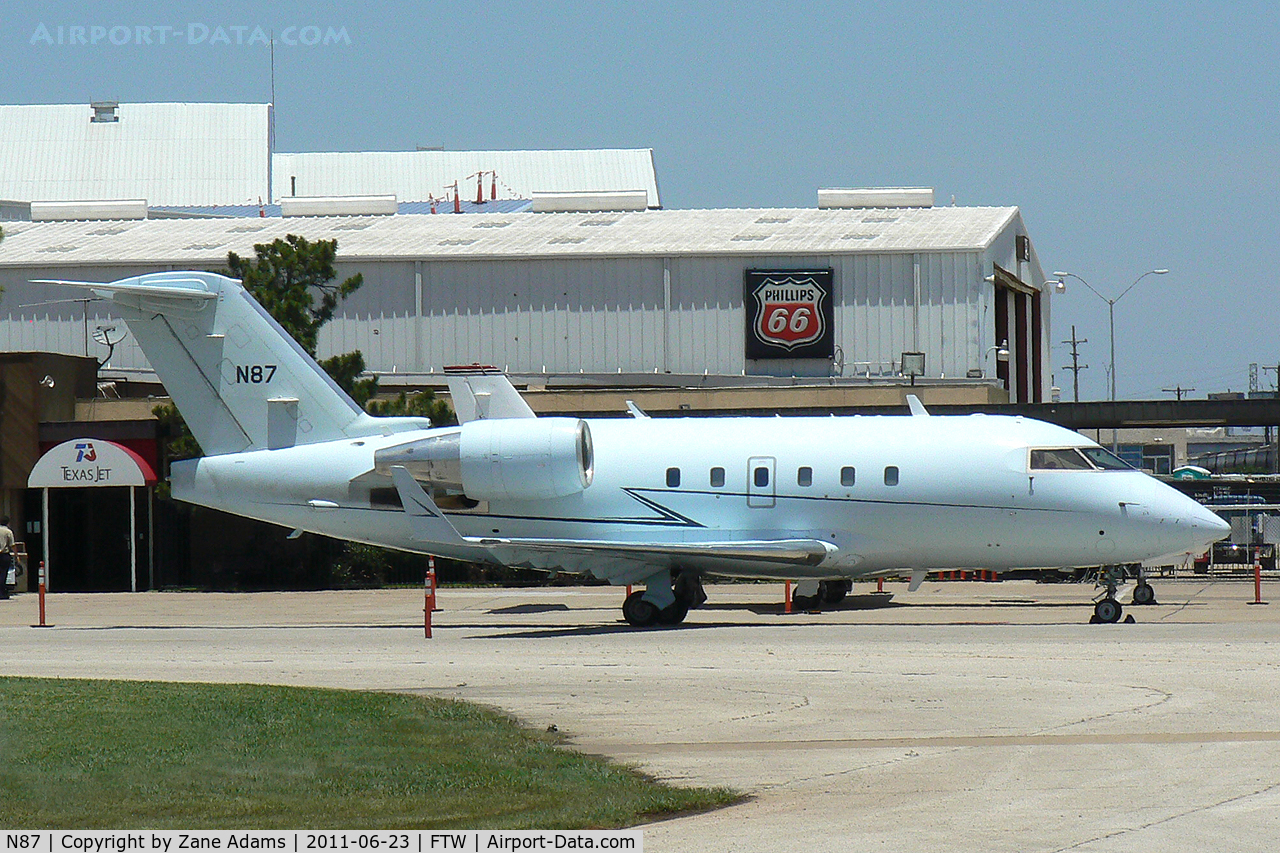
x,y
631,561
602,557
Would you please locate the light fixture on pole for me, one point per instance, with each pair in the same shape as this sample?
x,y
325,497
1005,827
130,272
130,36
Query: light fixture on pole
x,y
1111,310
1001,350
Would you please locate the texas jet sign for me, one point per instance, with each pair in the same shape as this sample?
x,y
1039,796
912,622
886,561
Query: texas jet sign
x,y
789,314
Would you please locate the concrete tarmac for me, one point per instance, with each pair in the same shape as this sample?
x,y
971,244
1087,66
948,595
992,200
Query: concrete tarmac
x,y
964,716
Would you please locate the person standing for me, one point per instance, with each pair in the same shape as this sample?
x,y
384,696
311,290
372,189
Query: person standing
x,y
8,570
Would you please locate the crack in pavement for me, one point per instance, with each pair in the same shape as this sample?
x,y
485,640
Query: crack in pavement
x,y
1120,833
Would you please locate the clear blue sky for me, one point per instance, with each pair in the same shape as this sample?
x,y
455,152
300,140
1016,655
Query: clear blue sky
x,y
1131,138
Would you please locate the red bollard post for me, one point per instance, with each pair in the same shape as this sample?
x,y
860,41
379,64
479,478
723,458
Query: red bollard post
x,y
786,598
1257,577
879,584
428,596
43,583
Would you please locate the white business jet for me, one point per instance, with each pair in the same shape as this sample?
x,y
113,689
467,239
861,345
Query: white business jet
x,y
657,502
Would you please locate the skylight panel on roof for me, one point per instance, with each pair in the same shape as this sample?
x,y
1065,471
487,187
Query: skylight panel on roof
x,y
501,224
567,240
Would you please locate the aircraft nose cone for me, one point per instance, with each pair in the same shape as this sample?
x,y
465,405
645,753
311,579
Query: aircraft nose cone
x,y
1204,526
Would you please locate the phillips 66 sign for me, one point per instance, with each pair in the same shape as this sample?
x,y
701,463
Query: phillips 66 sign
x,y
789,313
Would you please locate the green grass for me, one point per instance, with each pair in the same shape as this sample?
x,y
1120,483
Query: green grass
x,y
129,755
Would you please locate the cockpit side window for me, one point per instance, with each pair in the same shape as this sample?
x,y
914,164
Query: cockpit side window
x,y
1105,459
1059,459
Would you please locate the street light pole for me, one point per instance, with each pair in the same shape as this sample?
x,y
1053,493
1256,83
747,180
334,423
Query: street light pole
x,y
1111,312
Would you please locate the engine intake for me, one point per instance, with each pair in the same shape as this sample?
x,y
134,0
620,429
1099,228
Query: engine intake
x,y
505,459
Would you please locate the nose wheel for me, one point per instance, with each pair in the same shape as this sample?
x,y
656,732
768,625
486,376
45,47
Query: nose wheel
x,y
1143,593
1108,610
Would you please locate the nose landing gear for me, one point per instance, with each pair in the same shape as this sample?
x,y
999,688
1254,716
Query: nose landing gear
x,y
1107,608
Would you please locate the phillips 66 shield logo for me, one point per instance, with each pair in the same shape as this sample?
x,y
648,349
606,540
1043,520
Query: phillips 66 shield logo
x,y
789,314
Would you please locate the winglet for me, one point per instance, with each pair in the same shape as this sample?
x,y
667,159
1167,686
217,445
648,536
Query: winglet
x,y
917,578
483,395
917,408
426,521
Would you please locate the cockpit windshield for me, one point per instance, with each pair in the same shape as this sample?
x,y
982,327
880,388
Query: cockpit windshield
x,y
1076,459
1105,459
1059,459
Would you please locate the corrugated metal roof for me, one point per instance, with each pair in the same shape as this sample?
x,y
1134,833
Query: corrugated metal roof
x,y
515,235
419,175
169,154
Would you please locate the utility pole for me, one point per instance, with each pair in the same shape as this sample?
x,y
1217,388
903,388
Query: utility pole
x,y
1179,391
1076,366
1276,370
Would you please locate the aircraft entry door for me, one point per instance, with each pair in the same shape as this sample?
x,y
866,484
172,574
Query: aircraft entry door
x,y
760,481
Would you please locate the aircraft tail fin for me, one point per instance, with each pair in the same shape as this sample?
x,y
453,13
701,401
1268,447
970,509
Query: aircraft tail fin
x,y
240,381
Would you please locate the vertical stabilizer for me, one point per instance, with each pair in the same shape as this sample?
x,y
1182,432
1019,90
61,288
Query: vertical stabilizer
x,y
240,381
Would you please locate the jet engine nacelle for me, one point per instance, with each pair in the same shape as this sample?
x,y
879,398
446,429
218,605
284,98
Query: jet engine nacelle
x,y
507,459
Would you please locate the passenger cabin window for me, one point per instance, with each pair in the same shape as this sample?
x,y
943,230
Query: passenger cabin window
x,y
891,475
1061,459
717,477
673,477
762,476
804,476
846,476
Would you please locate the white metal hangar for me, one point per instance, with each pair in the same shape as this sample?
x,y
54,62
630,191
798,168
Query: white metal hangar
x,y
713,296
176,159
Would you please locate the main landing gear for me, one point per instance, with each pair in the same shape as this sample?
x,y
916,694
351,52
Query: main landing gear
x,y
810,595
665,601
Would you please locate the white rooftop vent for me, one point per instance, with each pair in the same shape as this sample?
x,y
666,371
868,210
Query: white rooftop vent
x,y
590,202
341,205
104,112
831,199
52,211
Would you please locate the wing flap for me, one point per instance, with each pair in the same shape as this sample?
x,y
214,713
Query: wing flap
x,y
786,552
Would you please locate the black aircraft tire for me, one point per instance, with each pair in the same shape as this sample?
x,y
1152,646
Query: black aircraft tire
x,y
673,614
804,602
639,612
1108,610
1143,593
832,592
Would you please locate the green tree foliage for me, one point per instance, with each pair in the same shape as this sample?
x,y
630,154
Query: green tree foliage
x,y
285,276
422,404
